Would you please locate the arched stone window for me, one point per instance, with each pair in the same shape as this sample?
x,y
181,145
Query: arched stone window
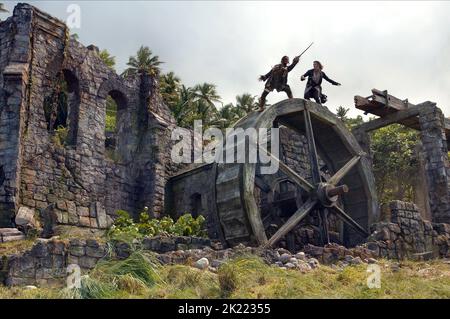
x,y
62,107
116,104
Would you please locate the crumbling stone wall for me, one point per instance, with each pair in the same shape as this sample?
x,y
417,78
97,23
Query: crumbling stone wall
x,y
75,181
406,235
14,47
46,263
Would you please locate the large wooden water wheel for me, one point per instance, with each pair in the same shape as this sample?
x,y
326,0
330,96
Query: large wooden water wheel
x,y
346,192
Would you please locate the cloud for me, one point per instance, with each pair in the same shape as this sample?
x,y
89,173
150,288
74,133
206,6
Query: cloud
x,y
400,46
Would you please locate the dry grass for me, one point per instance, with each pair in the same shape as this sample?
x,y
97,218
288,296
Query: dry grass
x,y
249,277
15,247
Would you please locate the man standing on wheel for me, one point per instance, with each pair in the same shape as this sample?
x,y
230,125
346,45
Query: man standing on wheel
x,y
276,79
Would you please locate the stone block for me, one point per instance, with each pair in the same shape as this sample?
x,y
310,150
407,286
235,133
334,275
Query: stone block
x,y
167,244
97,252
61,204
151,243
25,216
87,262
77,251
40,250
57,247
71,208
82,211
85,221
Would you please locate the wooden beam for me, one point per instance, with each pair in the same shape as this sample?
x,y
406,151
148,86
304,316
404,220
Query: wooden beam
x,y
396,117
303,183
381,103
292,221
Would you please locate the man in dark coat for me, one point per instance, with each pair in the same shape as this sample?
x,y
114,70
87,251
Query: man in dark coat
x,y
313,86
276,79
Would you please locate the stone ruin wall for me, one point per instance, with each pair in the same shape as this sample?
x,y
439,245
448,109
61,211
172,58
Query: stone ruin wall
x,y
403,235
77,184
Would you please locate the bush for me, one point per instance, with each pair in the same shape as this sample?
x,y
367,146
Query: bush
x,y
186,225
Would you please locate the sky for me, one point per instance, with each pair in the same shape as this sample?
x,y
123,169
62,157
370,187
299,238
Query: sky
x,y
400,46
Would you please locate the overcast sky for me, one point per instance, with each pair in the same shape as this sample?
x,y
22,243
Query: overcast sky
x,y
400,46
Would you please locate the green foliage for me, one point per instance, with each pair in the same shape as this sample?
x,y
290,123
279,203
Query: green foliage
x,y
187,225
169,87
111,115
60,136
108,59
125,228
395,163
144,62
341,112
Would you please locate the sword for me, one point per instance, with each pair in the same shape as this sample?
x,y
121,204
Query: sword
x,y
306,49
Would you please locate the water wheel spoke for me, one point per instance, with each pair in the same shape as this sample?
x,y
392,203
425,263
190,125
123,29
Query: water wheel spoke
x,y
336,178
315,169
303,183
292,221
348,220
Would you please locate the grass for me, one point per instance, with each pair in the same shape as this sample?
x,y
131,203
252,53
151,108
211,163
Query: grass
x,y
15,247
140,276
66,232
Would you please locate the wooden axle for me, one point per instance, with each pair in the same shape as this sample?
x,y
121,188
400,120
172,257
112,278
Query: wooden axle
x,y
335,191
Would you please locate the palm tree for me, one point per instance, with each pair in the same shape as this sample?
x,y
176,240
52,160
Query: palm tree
x,y
245,102
207,93
108,59
169,87
228,115
143,63
203,111
204,97
183,107
341,113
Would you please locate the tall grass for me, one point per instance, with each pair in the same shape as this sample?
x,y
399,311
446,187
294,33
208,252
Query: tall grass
x,y
138,265
140,276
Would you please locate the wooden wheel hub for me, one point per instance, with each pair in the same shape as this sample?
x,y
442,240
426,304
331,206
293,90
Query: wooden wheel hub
x,y
328,194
